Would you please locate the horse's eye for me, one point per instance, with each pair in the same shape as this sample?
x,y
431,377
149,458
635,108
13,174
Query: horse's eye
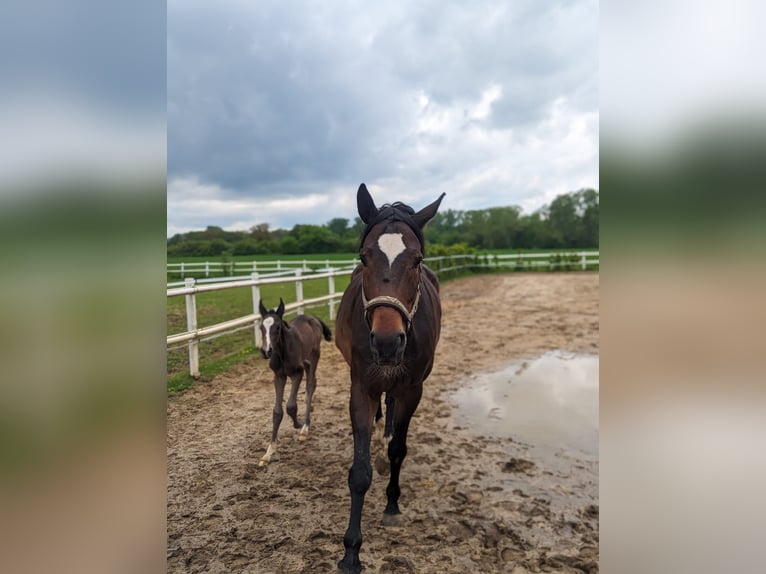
x,y
363,258
418,261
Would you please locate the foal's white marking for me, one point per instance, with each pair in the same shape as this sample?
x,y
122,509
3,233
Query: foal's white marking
x,y
392,245
267,323
266,458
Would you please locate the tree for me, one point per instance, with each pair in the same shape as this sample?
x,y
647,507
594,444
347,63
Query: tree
x,y
260,232
338,225
564,221
589,202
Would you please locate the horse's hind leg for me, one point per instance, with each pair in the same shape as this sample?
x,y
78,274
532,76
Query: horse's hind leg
x,y
404,408
279,389
311,385
292,400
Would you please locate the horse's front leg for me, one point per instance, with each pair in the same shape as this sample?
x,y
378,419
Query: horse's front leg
x,y
404,408
279,391
362,408
292,400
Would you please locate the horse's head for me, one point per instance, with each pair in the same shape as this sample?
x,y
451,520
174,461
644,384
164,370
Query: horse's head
x,y
271,327
391,252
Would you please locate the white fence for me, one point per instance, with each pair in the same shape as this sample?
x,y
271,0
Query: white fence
x,y
441,265
208,268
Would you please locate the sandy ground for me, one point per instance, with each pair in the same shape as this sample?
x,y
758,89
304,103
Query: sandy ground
x,y
470,503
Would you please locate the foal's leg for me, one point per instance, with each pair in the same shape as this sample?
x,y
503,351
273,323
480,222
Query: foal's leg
x,y
279,388
292,400
380,434
404,408
311,385
362,408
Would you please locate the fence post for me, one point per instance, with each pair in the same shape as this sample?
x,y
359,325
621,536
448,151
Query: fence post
x,y
299,290
191,325
279,265
582,260
182,269
331,290
207,268
256,310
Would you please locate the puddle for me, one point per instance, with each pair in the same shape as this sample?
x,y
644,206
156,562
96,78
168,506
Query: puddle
x,y
550,401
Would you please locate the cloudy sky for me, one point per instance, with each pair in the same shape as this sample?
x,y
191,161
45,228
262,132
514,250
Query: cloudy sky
x,y
277,110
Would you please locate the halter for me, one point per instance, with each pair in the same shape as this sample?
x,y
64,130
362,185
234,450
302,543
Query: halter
x,y
386,301
394,212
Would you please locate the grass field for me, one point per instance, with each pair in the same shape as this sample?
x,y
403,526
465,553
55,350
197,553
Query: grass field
x,y
314,261
343,256
313,257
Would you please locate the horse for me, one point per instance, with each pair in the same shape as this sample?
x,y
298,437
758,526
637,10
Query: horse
x,y
387,328
292,350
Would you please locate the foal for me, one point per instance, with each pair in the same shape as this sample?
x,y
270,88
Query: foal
x,y
292,350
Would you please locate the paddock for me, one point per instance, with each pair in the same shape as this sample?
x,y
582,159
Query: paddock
x,y
470,502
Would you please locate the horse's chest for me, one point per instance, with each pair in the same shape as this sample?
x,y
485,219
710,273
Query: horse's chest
x,y
286,369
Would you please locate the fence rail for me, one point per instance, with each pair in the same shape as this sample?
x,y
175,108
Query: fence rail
x,y
209,268
303,270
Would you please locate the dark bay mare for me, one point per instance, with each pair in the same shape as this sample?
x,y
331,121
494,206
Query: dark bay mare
x,y
387,329
292,350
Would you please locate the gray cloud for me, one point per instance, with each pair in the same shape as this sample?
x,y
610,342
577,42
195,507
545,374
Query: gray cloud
x,y
494,103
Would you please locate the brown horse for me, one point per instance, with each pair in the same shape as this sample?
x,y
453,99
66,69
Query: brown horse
x,y
387,329
292,350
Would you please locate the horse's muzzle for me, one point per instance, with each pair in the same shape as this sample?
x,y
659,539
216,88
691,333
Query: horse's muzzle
x,y
388,349
265,353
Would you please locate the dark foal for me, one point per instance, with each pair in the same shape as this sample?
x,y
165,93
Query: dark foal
x,y
387,329
292,350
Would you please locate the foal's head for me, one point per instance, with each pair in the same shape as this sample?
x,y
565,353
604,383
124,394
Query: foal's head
x,y
391,252
271,327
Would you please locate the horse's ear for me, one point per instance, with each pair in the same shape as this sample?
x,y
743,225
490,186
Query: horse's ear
x,y
424,215
364,204
261,308
281,308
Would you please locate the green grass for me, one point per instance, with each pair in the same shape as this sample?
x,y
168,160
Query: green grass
x,y
316,262
182,380
557,250
270,257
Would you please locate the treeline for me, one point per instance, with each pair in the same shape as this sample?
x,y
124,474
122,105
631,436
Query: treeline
x,y
570,221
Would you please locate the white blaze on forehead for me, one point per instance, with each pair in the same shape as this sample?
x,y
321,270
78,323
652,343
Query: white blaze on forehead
x,y
392,245
267,323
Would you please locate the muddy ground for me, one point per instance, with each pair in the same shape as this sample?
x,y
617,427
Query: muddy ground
x,y
470,503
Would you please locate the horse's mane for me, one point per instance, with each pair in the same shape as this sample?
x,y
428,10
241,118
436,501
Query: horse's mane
x,y
396,211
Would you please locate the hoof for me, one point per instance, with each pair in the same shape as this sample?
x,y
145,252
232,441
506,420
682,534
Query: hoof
x,y
382,465
302,437
304,433
263,462
349,566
